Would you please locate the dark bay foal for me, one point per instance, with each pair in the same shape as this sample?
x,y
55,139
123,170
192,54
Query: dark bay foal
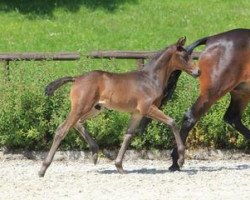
x,y
138,93
225,67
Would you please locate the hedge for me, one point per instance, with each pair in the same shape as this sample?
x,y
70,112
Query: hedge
x,y
28,118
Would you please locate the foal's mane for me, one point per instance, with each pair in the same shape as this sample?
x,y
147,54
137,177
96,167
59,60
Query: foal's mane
x,y
173,79
154,60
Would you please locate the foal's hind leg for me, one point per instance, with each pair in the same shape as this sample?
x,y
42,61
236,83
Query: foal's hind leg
x,y
60,134
92,144
233,114
134,122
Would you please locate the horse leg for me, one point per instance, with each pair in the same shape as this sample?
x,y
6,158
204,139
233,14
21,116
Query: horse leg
x,y
168,93
92,144
199,108
157,114
134,122
60,134
233,114
78,110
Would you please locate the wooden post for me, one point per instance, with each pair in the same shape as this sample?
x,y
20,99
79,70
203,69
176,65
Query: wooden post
x,y
6,69
140,63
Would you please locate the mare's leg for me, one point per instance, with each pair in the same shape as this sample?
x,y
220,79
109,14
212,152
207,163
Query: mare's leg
x,y
92,144
233,114
199,108
157,114
134,122
60,134
215,81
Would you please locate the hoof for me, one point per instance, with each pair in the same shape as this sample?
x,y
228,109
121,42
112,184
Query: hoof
x,y
180,161
181,153
41,174
174,167
95,158
120,168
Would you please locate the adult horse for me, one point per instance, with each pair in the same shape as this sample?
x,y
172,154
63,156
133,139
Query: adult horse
x,y
138,93
225,67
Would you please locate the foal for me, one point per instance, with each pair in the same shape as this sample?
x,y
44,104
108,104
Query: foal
x,y
138,93
225,67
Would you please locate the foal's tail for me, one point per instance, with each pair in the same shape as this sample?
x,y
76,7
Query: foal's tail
x,y
197,43
54,85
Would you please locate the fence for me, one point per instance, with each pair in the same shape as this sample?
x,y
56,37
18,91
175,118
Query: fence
x,y
140,56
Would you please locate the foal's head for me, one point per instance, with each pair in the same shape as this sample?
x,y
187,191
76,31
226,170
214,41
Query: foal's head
x,y
181,59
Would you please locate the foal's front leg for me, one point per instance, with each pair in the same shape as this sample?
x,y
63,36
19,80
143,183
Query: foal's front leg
x,y
134,122
157,114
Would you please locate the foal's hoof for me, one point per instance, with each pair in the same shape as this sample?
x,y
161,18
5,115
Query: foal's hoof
x,y
180,161
41,174
120,168
174,167
95,158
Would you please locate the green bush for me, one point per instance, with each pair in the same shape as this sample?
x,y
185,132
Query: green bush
x,y
28,118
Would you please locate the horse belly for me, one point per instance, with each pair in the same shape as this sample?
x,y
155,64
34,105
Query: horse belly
x,y
121,101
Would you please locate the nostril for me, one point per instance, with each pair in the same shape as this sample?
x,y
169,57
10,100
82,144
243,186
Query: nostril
x,y
196,73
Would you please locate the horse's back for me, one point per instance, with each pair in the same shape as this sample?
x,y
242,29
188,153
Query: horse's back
x,y
240,38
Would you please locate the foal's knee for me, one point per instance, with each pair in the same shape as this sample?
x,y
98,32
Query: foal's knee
x,y
173,125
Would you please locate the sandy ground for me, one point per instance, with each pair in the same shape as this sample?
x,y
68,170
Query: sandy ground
x,y
145,180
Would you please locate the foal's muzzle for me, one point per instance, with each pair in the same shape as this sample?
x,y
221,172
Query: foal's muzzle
x,y
196,72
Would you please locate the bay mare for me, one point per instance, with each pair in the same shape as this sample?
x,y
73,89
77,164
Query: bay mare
x,y
225,67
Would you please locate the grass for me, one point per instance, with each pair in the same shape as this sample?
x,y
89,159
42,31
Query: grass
x,y
142,25
85,25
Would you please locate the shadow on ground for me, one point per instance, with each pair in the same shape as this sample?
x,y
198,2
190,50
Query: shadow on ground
x,y
191,171
137,171
42,8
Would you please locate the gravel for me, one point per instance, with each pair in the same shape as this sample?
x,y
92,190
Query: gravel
x,y
146,180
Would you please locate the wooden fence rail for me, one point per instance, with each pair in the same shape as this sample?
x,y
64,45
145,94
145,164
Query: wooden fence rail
x,y
129,54
140,56
39,56
76,56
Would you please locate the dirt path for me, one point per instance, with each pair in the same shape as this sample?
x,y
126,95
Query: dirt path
x,y
146,180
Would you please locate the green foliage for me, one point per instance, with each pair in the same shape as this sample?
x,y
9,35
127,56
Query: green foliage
x,y
108,128
28,119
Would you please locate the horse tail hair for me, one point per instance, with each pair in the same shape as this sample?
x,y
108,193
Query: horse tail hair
x,y
54,85
197,43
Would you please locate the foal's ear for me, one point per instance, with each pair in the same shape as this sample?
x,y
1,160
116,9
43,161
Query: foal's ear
x,y
181,42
